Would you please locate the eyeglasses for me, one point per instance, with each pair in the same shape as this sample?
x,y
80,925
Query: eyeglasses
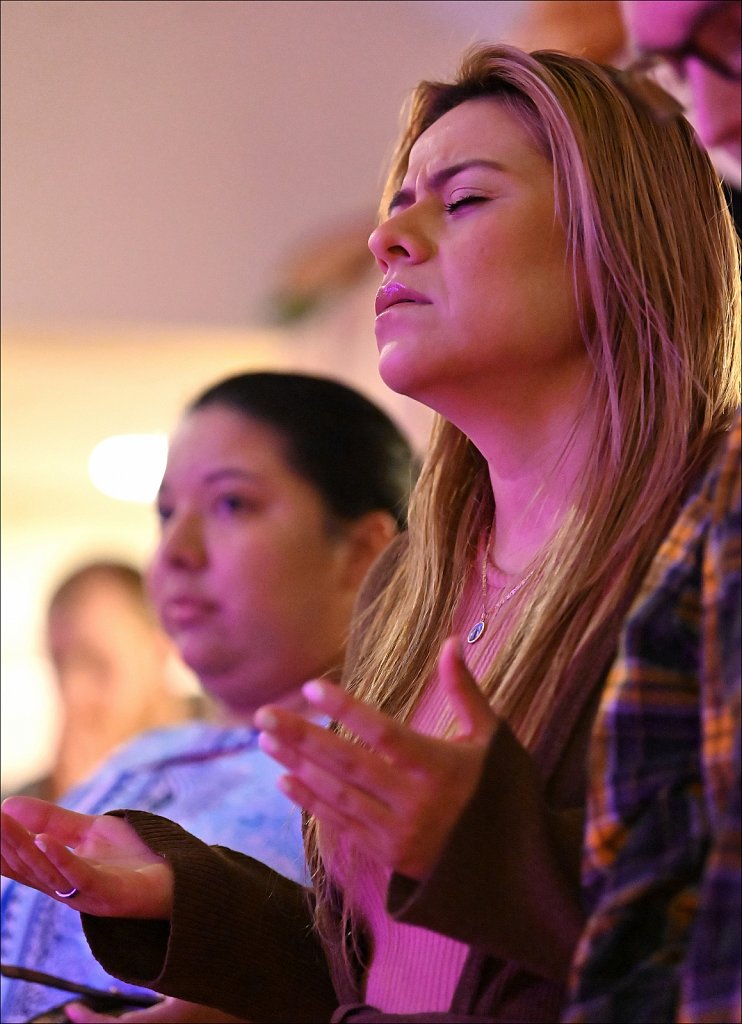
x,y
656,78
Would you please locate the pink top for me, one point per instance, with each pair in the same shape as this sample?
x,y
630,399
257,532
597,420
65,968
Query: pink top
x,y
415,970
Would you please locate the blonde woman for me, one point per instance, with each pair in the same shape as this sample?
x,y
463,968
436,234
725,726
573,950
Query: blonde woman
x,y
560,286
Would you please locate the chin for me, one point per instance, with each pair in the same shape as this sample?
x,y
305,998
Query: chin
x,y
418,380
398,371
202,662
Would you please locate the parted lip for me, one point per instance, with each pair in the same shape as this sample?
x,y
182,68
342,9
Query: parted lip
x,y
393,293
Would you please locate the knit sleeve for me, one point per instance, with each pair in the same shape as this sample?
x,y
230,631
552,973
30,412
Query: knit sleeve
x,y
240,937
501,879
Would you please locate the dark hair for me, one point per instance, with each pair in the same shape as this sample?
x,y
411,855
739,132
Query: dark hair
x,y
337,439
122,574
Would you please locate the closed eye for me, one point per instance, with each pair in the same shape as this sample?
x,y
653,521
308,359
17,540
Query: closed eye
x,y
456,204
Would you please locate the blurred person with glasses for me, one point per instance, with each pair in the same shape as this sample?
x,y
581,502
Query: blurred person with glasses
x,y
694,47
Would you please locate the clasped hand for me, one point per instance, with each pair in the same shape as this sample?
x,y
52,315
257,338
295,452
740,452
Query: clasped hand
x,y
399,794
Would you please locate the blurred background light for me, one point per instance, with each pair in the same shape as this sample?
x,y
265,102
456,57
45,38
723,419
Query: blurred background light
x,y
129,467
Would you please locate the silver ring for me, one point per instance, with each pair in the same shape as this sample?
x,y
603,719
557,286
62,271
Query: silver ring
x,y
67,895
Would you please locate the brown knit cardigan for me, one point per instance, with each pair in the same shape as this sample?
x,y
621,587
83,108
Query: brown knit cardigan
x,y
241,936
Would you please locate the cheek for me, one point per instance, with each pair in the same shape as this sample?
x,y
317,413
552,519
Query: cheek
x,y
273,569
257,577
305,576
489,276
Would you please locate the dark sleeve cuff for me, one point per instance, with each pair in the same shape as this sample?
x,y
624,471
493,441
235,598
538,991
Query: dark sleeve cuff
x,y
500,880
238,931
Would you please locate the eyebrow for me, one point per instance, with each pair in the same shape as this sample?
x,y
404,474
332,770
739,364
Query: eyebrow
x,y
217,475
405,196
228,472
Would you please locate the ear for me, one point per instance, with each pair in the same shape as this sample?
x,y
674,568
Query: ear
x,y
367,538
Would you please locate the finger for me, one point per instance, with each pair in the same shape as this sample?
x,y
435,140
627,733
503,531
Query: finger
x,y
344,811
59,865
299,746
476,719
26,862
11,866
291,727
37,815
42,861
396,741
291,739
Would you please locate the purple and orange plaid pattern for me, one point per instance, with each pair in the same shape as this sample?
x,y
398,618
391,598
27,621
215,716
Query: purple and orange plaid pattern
x,y
662,867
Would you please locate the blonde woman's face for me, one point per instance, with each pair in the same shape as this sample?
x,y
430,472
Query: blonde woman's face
x,y
477,295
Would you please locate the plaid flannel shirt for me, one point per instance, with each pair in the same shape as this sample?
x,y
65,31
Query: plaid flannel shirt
x,y
662,863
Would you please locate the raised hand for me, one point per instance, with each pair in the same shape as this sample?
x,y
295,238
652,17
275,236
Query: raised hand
x,y
398,795
56,851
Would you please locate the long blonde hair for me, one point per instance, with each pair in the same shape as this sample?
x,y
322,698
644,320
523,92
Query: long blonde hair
x,y
655,265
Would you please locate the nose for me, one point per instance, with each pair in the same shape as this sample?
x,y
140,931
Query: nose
x,y
401,237
182,543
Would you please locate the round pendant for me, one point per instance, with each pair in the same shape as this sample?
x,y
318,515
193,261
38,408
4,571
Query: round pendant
x,y
475,632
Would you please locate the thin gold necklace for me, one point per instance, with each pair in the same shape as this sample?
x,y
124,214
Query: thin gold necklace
x,y
479,627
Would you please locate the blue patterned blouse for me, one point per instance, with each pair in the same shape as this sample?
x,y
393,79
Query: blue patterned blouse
x,y
212,780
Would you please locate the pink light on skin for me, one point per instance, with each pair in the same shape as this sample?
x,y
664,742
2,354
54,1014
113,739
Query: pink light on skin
x,y
477,204
395,294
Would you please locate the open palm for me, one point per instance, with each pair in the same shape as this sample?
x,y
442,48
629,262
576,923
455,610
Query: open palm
x,y
51,848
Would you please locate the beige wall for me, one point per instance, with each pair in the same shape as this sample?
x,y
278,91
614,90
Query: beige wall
x,y
161,164
160,158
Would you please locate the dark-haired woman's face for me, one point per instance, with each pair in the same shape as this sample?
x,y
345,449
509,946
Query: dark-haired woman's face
x,y
248,578
477,297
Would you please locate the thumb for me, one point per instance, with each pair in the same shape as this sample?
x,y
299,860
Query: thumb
x,y
475,718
